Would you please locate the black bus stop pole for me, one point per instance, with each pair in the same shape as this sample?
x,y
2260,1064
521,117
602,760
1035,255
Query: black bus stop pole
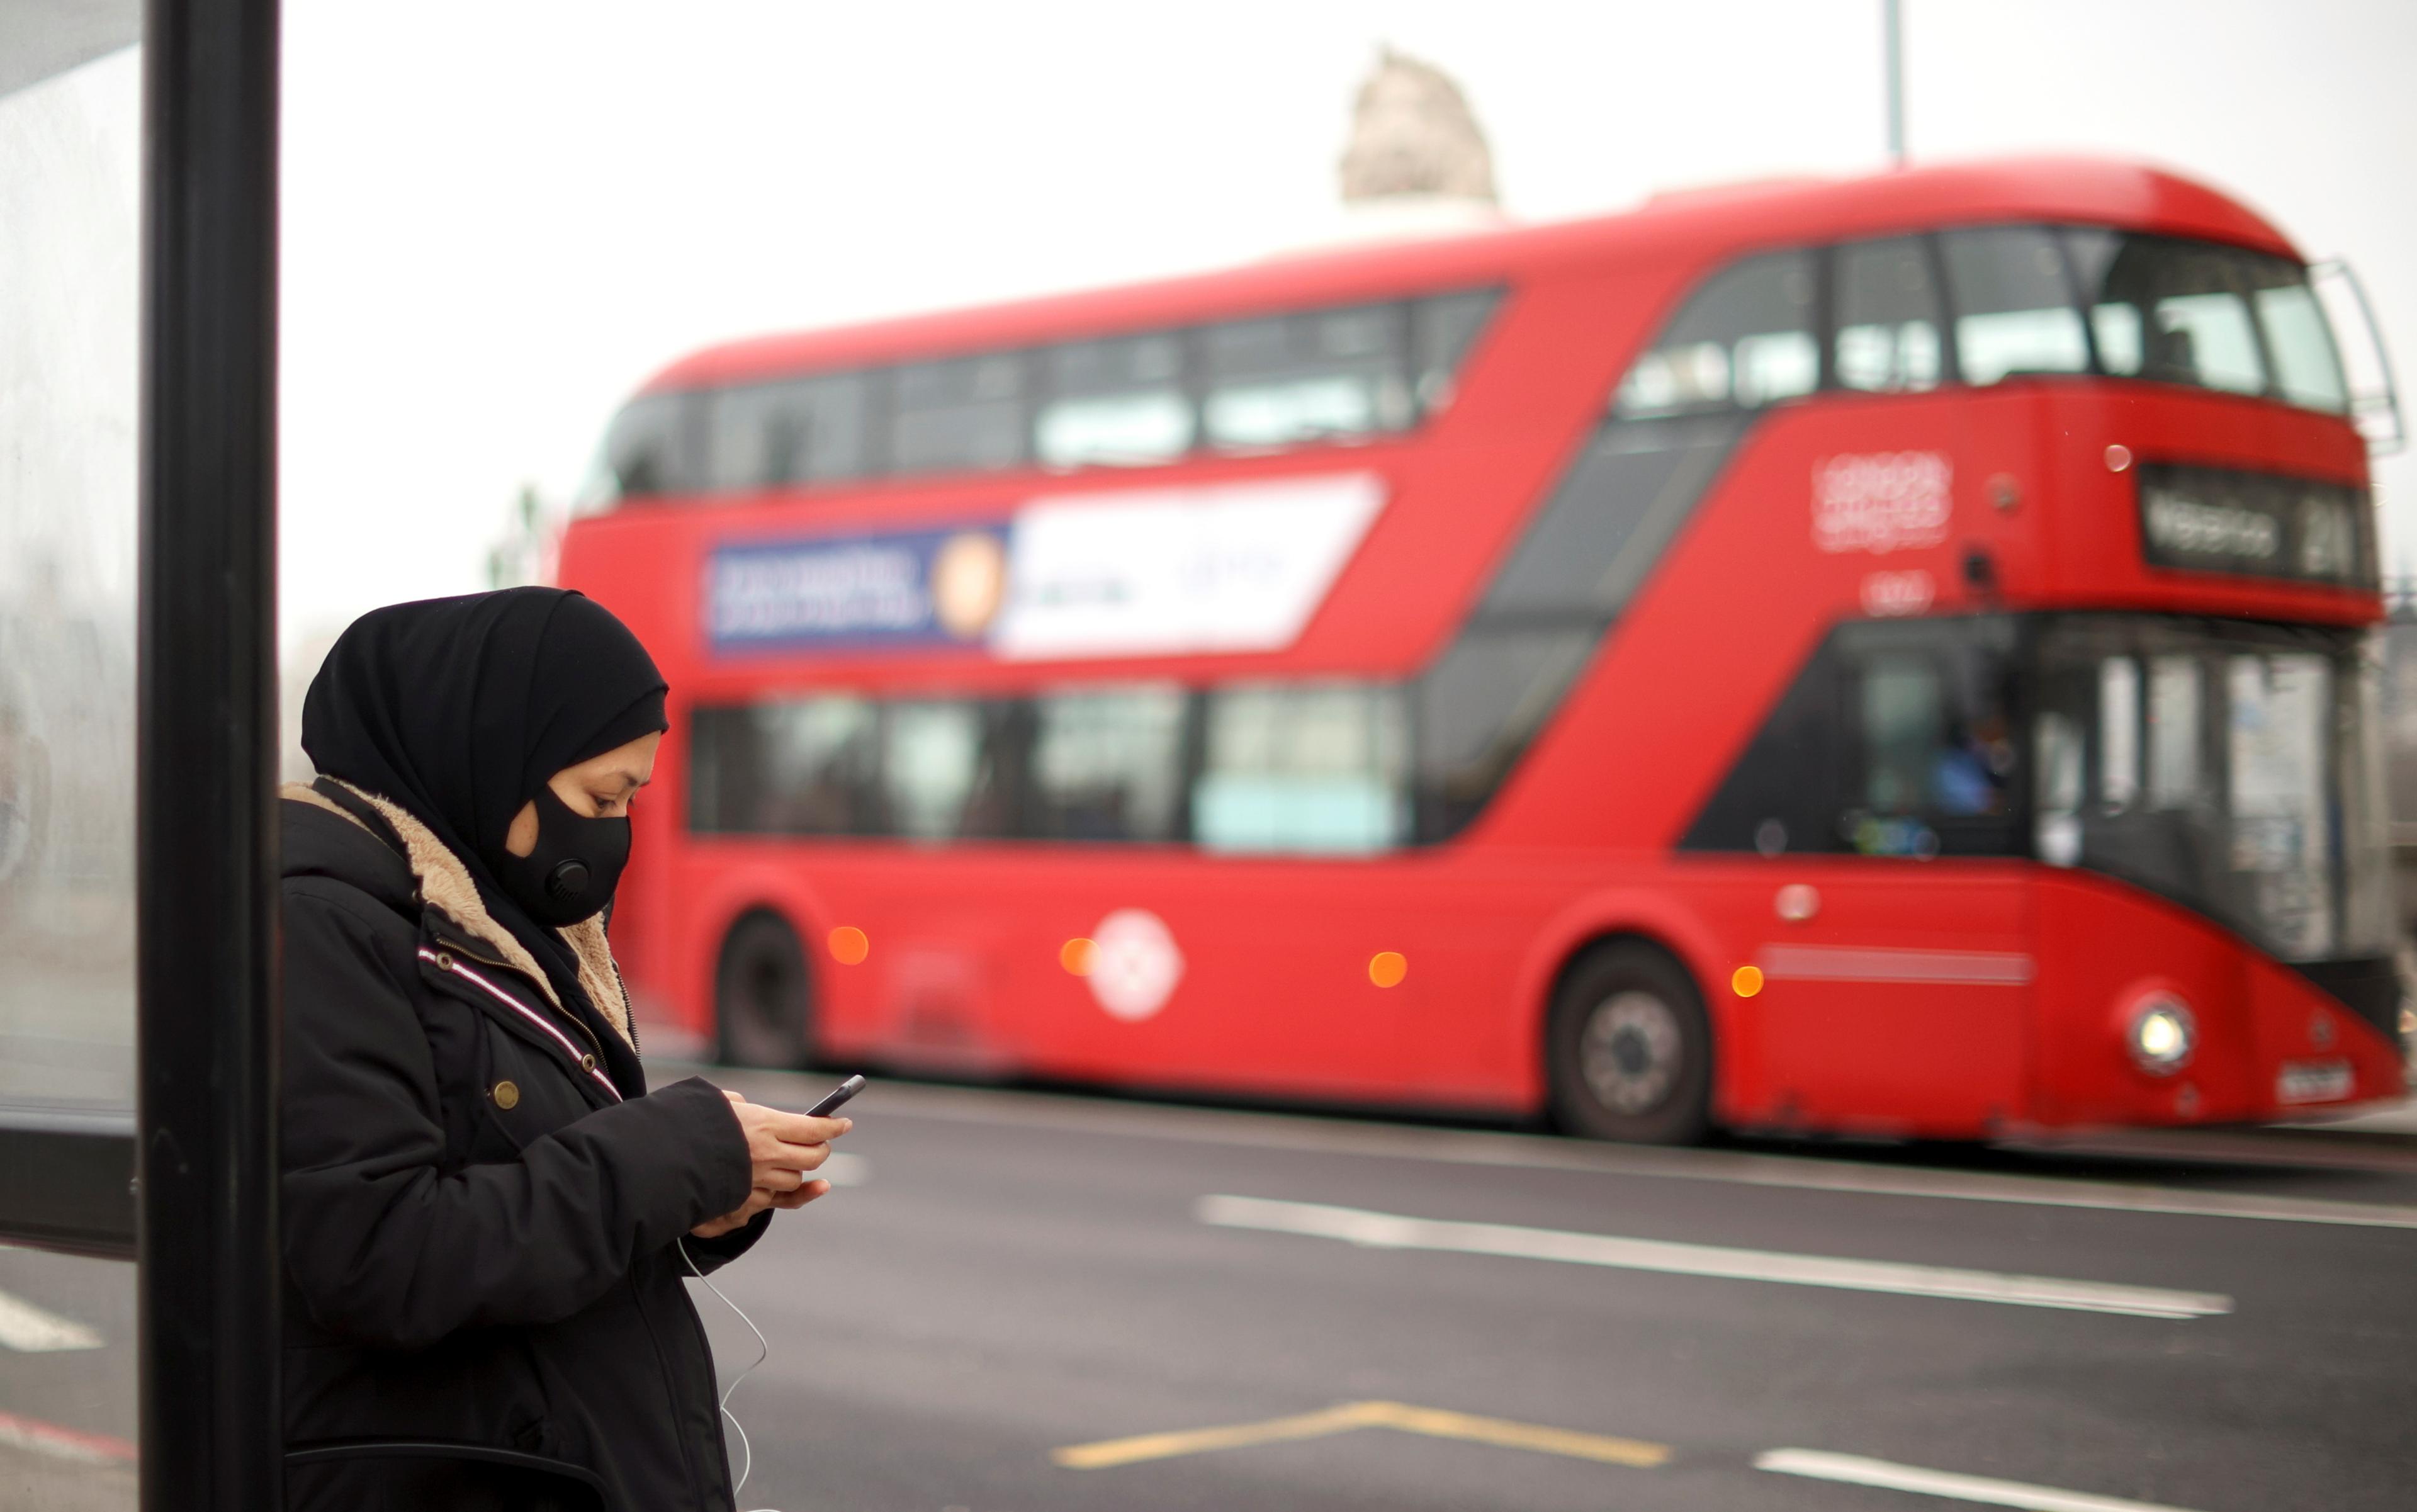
x,y
205,845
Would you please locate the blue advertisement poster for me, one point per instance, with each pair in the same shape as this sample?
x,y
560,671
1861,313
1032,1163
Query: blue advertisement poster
x,y
907,587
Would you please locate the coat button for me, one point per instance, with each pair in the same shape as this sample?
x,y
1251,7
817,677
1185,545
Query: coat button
x,y
444,961
586,1063
506,1095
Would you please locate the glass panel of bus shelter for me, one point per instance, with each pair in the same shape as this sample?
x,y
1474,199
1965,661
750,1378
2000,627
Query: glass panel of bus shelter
x,y
803,431
1314,770
2168,310
1326,375
1118,403
1744,339
802,766
2261,804
2014,304
71,167
1885,306
1107,764
962,415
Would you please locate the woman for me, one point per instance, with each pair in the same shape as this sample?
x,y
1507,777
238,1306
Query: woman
x,y
486,1215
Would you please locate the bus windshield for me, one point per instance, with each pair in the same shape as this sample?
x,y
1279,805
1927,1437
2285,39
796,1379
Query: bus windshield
x,y
2032,300
2231,767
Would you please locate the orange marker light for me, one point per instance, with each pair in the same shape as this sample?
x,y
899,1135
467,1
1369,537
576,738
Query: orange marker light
x,y
1075,955
1387,968
1746,981
848,945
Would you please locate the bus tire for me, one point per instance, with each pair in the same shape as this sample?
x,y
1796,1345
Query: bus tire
x,y
763,995
1628,1048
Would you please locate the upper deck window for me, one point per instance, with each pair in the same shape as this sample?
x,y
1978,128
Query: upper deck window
x,y
2014,313
1887,316
1345,373
1328,375
650,449
958,416
1744,340
801,430
1118,403
2216,318
1986,304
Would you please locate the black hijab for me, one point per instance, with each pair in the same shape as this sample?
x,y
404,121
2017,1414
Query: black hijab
x,y
459,710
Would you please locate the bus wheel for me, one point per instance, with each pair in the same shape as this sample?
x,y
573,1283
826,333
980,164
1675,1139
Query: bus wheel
x,y
1629,1050
763,1000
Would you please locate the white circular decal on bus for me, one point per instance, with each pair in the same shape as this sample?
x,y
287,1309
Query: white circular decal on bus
x,y
1135,964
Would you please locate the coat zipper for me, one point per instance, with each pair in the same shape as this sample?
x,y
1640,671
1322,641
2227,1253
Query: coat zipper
x,y
444,961
456,948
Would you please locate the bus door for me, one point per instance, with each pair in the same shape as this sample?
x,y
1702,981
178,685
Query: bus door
x,y
1897,962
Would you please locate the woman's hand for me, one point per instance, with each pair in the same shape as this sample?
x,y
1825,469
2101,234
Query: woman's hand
x,y
783,1148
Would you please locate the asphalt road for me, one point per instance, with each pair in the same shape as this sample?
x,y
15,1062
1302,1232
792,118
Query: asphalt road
x,y
1015,1275
1025,1301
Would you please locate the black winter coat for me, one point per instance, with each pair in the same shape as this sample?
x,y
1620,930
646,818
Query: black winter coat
x,y
479,1228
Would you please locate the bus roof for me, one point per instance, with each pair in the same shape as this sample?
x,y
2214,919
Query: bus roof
x,y
1707,224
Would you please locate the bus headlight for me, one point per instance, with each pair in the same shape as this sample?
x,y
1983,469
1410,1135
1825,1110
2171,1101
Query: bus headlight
x,y
2162,1034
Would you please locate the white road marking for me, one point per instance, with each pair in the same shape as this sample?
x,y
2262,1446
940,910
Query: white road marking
x,y
843,1169
30,1330
1856,1469
1387,1230
1344,1137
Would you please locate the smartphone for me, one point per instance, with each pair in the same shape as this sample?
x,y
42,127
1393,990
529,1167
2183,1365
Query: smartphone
x,y
837,1095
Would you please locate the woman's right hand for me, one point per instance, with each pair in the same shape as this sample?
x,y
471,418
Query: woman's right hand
x,y
783,1148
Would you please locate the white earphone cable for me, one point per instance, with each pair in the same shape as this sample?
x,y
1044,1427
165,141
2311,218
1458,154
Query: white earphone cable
x,y
764,1353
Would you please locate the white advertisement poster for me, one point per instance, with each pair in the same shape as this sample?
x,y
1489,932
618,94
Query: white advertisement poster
x,y
1229,567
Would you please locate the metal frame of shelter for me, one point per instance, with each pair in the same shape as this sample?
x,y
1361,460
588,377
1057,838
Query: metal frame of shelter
x,y
187,1185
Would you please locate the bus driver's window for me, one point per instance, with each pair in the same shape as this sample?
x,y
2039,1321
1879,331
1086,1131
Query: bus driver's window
x,y
1937,752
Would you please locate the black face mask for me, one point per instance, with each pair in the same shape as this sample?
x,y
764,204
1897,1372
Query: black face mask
x,y
570,873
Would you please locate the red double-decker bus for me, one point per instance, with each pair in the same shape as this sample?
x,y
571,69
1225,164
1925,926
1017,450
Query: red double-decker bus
x,y
1888,656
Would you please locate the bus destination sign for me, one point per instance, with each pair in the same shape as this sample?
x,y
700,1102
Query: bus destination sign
x,y
2255,525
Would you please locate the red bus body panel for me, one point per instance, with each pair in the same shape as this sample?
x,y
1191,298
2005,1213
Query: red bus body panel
x,y
2011,1015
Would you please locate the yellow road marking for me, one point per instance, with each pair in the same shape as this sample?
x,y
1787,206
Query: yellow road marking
x,y
1437,1424
1432,1422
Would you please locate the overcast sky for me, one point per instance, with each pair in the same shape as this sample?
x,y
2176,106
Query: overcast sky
x,y
499,218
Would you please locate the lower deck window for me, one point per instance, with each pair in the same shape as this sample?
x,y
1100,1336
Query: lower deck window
x,y
1315,769
1318,768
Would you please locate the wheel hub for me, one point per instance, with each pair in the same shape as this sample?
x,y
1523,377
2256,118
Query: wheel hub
x,y
1631,1052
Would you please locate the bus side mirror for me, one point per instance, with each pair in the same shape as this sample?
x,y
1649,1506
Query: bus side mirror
x,y
2367,366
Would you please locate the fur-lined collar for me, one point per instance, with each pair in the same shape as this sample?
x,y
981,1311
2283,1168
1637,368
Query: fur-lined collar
x,y
446,886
